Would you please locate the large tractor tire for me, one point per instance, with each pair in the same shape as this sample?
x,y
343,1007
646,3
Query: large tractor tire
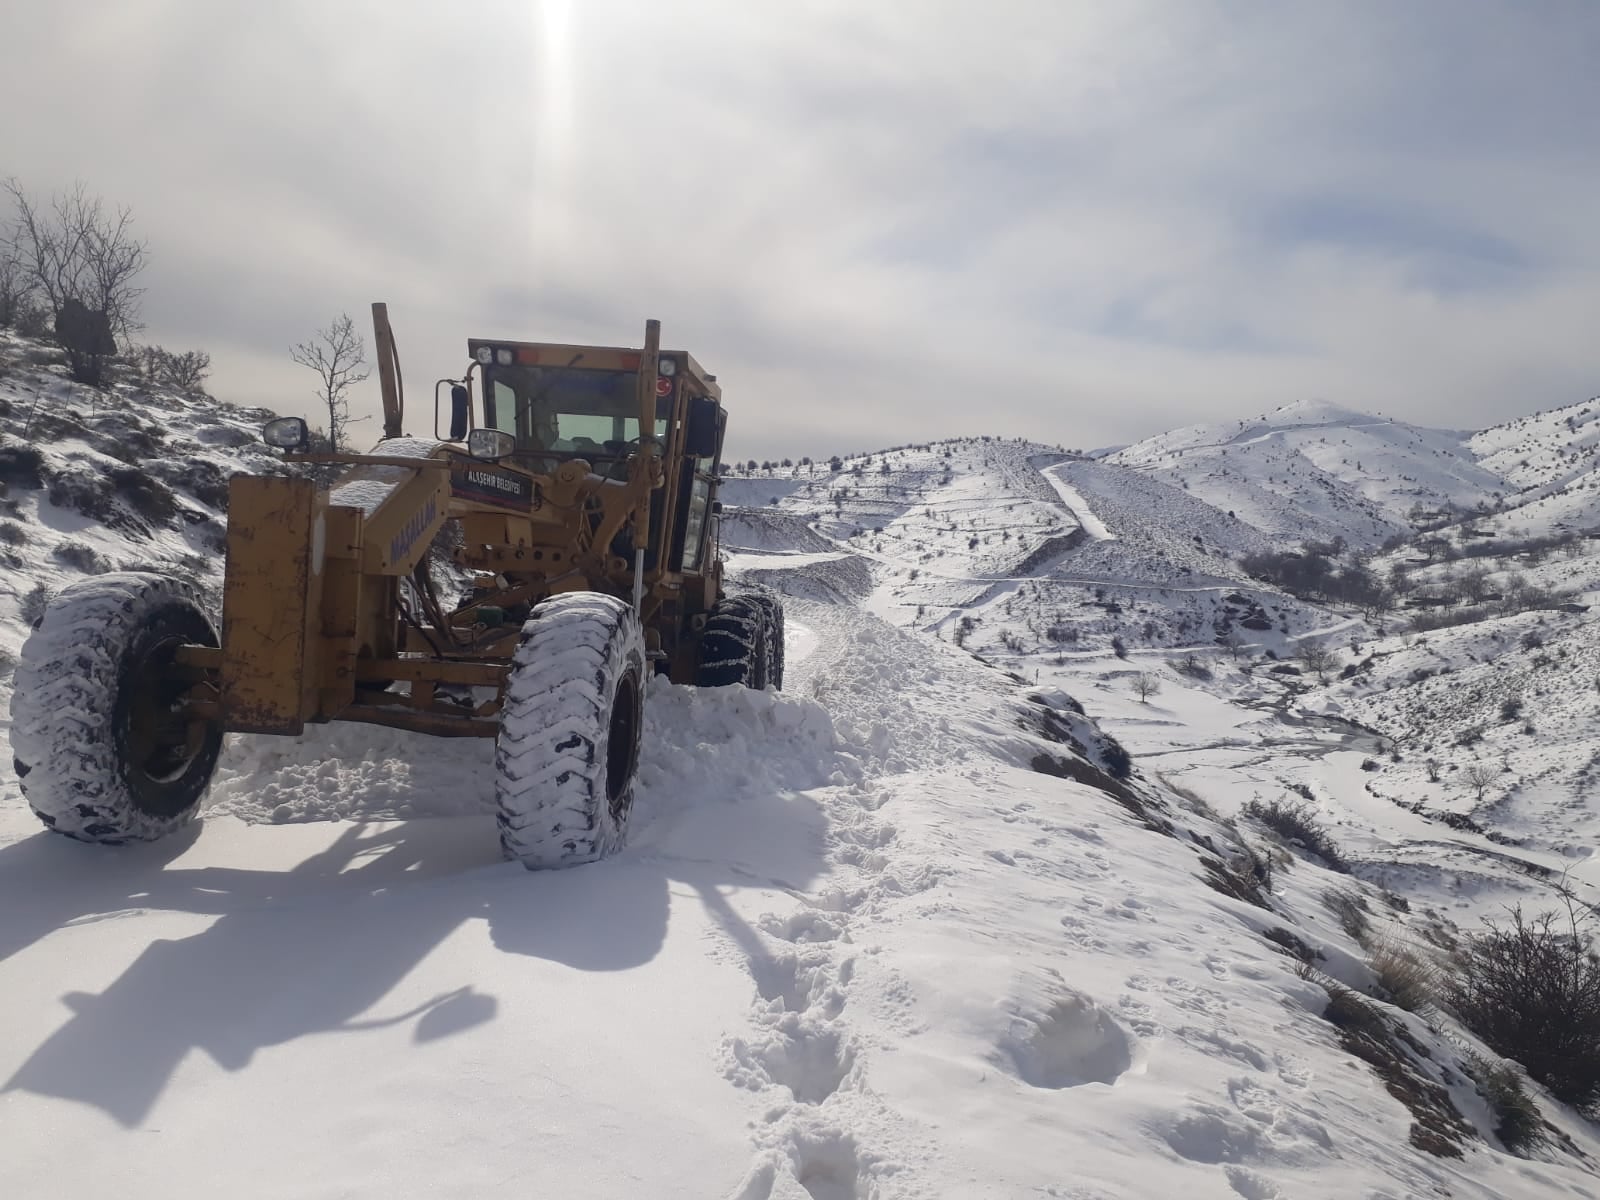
x,y
772,612
100,749
567,757
736,645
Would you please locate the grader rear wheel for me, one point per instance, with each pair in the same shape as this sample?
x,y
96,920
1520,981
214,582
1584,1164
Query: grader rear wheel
x,y
743,643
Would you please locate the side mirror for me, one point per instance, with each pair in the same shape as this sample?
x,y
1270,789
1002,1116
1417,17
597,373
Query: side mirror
x,y
286,433
704,428
460,412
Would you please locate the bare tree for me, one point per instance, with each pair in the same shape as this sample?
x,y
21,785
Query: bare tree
x,y
1475,584
16,288
1479,776
186,371
83,260
1314,656
1146,685
338,355
1233,643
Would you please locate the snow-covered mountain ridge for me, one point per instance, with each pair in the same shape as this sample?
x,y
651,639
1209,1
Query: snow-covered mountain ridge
x,y
959,913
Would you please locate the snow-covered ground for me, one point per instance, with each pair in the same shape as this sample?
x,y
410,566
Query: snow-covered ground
x,y
902,930
856,948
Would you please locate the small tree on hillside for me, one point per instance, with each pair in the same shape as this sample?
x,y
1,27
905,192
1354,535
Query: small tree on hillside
x,y
83,261
1145,685
15,287
1233,643
1479,776
338,355
1316,657
1475,584
186,371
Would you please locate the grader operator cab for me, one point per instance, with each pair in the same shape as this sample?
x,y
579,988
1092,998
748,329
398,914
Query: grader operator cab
x,y
578,496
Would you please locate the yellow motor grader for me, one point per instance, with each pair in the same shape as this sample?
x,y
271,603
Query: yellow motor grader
x,y
575,485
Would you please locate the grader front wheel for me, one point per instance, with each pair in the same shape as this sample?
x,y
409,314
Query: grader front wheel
x,y
567,757
102,746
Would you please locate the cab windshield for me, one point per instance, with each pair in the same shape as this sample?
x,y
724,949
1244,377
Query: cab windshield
x,y
559,413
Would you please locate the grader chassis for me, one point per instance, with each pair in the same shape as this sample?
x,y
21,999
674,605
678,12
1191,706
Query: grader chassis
x,y
580,482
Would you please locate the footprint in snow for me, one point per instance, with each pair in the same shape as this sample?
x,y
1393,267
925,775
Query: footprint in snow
x,y
804,926
1074,1043
1250,1184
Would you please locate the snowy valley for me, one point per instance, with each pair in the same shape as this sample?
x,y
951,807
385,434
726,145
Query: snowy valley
x,y
994,899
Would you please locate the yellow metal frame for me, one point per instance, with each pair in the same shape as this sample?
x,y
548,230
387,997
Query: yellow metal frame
x,y
315,627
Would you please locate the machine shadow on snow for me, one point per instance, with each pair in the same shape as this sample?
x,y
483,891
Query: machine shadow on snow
x,y
317,948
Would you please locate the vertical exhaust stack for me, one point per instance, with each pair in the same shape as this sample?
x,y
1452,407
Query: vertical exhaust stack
x,y
649,450
389,379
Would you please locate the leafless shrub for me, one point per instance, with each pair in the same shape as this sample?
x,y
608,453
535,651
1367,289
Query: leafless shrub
x,y
23,466
1247,877
32,319
85,558
16,289
13,534
1298,825
1294,945
35,602
186,371
144,493
1518,1122
1531,991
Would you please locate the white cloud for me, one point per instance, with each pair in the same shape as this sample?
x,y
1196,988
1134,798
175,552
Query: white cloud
x,y
877,223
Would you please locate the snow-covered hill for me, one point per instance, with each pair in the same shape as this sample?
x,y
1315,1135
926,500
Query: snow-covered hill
x,y
1313,469
134,477
918,926
1552,459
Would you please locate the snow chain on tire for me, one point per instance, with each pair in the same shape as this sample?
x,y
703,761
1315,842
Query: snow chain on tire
x,y
734,645
772,611
567,756
97,751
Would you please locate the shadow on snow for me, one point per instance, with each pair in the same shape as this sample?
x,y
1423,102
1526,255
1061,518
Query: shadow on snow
x,y
313,949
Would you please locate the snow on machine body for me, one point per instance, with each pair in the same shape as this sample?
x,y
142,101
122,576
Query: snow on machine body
x,y
582,487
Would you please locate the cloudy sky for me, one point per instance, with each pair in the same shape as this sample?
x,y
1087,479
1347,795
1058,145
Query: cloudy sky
x,y
877,222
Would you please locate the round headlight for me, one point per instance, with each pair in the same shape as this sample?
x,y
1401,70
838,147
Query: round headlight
x,y
504,356
667,366
485,355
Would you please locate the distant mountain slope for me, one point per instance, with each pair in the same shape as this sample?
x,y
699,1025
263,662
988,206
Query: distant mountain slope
x,y
1313,469
976,539
1552,461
